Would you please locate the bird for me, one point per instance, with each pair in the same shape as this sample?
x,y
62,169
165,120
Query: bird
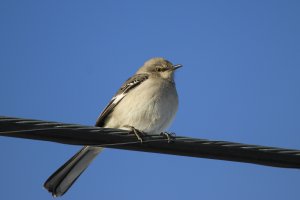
x,y
146,103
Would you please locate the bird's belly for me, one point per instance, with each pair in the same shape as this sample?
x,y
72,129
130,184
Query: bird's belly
x,y
145,110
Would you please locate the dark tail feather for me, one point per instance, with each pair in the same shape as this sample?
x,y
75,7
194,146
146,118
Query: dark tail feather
x,y
61,180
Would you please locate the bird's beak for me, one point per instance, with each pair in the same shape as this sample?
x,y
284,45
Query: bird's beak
x,y
176,67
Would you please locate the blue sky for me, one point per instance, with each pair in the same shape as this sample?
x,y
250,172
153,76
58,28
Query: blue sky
x,y
63,61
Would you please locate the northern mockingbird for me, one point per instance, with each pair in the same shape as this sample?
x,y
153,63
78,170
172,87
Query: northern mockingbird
x,y
147,102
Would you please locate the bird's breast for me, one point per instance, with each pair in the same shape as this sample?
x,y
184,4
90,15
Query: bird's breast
x,y
150,107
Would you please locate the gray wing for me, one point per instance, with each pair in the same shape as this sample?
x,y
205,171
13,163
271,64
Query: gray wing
x,y
131,83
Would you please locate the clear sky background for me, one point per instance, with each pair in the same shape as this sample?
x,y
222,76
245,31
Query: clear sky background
x,y
63,61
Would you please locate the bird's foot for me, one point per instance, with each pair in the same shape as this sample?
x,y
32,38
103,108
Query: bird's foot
x,y
169,136
139,134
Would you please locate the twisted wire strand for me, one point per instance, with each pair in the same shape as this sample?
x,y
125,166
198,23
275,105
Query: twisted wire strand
x,y
75,134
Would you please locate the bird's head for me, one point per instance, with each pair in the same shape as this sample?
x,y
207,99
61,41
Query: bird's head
x,y
159,67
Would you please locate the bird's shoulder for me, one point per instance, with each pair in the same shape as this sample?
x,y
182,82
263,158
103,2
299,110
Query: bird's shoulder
x,y
132,82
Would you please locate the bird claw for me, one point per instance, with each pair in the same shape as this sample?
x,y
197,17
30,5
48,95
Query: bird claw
x,y
170,136
139,134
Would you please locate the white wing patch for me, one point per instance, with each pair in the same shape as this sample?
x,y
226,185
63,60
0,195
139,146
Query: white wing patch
x,y
117,98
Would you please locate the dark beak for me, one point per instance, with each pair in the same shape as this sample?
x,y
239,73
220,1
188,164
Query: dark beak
x,y
176,67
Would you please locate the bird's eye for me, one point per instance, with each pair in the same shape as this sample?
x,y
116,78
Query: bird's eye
x,y
159,69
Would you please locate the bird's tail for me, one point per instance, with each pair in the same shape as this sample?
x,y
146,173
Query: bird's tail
x,y
61,180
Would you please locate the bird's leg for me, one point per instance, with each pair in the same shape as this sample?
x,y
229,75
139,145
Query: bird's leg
x,y
169,136
139,134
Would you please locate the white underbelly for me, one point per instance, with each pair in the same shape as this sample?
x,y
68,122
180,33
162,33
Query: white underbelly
x,y
144,109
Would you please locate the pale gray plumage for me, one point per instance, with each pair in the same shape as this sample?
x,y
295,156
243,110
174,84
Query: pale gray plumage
x,y
147,101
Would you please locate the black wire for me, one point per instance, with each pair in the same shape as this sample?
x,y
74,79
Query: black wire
x,y
121,139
